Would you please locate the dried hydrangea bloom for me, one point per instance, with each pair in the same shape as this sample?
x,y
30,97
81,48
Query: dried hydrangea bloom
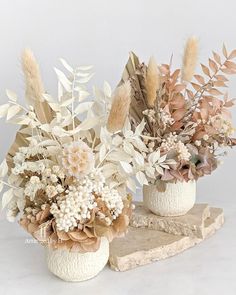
x,y
77,159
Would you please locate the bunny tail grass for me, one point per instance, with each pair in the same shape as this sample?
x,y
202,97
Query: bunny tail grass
x,y
189,59
152,82
120,107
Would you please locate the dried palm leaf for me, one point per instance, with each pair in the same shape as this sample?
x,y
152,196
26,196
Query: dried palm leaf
x,y
134,72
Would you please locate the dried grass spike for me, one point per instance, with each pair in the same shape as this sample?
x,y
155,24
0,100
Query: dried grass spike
x,y
189,59
152,81
34,86
120,107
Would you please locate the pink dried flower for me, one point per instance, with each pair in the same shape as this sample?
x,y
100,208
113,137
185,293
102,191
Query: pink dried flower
x,y
77,159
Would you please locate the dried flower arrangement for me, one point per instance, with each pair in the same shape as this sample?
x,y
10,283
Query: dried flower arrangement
x,y
186,123
66,173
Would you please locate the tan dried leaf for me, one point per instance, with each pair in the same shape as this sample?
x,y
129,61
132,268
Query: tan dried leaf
x,y
197,87
221,78
228,71
205,70
217,57
214,91
232,54
224,50
213,65
230,65
200,79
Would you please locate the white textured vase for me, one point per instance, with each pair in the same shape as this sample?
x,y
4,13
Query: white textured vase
x,y
75,266
176,200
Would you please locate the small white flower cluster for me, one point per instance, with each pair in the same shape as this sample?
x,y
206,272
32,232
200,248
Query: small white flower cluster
x,y
48,181
222,125
74,208
182,150
24,153
150,113
166,118
32,186
172,143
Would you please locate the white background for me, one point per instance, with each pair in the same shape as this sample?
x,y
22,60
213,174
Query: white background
x,y
102,33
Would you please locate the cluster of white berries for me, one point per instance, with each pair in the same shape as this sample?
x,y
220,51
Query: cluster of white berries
x,y
74,207
113,201
150,113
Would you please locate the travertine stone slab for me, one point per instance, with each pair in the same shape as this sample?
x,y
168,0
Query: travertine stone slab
x,y
191,224
142,245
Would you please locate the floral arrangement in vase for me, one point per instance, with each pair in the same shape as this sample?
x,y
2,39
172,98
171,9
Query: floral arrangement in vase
x,y
187,124
66,173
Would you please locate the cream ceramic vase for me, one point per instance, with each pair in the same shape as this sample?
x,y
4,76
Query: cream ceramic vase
x,y
176,200
75,266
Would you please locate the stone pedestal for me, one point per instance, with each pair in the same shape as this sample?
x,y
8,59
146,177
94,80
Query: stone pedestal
x,y
151,237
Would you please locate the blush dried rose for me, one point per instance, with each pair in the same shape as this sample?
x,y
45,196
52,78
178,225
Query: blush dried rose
x,y
77,159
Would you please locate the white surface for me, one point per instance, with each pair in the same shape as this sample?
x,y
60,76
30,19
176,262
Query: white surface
x,y
207,269
75,266
102,33
177,199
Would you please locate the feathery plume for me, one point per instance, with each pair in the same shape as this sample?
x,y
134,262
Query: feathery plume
x,y
189,59
120,107
34,86
152,81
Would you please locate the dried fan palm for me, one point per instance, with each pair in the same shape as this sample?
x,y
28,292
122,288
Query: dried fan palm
x,y
134,72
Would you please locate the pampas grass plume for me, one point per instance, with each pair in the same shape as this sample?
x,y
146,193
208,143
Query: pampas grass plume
x,y
189,59
33,83
120,107
152,81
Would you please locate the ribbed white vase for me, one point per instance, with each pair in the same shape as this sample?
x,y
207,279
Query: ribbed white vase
x,y
75,266
176,200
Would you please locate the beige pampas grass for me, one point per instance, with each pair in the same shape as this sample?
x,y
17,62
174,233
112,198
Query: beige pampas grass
x,y
152,81
120,107
189,59
34,86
